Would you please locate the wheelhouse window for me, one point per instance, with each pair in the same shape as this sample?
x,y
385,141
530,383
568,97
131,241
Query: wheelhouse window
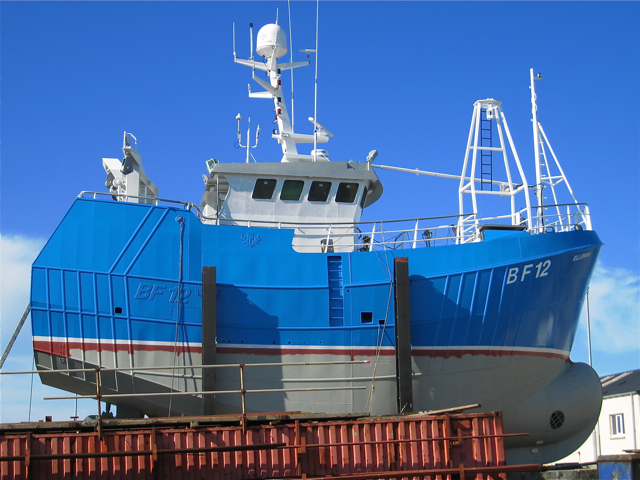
x,y
346,192
291,190
264,188
319,191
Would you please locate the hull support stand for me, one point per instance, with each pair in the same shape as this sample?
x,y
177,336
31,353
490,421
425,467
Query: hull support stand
x,y
209,314
403,335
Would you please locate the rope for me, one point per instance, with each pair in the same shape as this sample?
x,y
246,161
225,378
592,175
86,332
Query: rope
x,y
31,390
180,220
380,338
378,350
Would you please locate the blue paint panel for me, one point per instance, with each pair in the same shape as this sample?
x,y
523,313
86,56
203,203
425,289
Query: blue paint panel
x,y
122,328
40,323
104,294
87,293
512,330
105,328
482,289
468,286
149,298
54,280
449,310
74,328
90,326
39,288
474,330
137,239
189,333
71,291
476,320
374,299
424,334
194,244
161,256
153,330
369,268
508,307
118,294
436,298
493,307
461,323
92,235
58,326
370,335
141,329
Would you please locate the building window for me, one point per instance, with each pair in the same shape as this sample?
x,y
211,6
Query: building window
x,y
264,189
617,425
291,190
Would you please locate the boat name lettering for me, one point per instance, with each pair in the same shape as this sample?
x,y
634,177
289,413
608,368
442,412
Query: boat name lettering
x,y
541,270
149,291
582,256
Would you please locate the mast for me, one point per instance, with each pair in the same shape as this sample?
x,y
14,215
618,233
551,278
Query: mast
x,y
271,44
536,146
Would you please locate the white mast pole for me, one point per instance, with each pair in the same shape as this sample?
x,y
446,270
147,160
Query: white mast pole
x,y
536,146
315,95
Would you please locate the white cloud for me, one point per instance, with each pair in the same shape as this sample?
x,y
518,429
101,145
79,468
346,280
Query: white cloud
x,y
17,253
614,307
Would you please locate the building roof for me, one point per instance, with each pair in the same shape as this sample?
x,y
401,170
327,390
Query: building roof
x,y
621,383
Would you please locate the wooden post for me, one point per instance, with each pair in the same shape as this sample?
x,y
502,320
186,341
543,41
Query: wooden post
x,y
403,335
209,314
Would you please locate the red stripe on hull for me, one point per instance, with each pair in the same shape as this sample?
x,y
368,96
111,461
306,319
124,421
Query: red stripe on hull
x,y
63,349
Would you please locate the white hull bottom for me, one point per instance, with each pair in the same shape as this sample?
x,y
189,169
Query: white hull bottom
x,y
552,399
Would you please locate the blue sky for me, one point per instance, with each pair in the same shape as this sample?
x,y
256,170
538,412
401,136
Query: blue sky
x,y
399,77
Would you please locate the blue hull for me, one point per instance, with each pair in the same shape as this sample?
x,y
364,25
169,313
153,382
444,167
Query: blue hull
x,y
492,322
111,272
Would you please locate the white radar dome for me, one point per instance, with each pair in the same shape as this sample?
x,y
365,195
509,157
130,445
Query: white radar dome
x,y
272,41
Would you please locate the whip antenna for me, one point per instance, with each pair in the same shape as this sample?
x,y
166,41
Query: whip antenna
x,y
251,40
291,51
315,94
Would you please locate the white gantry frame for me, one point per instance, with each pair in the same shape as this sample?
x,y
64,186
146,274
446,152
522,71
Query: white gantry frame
x,y
468,227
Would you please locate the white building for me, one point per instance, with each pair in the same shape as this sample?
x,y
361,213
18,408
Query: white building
x,y
618,429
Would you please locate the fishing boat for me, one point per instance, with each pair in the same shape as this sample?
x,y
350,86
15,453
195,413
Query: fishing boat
x,y
276,273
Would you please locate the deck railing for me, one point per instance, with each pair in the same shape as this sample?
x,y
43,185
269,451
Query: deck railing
x,y
404,233
242,391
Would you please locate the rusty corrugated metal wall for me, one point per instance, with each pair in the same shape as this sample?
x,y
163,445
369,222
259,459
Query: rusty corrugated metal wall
x,y
438,447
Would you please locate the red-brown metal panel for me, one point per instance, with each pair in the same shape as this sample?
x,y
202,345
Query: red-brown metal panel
x,y
416,447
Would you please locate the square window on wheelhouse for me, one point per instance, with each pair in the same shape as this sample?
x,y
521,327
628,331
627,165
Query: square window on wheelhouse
x,y
291,190
346,192
617,425
319,191
264,188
